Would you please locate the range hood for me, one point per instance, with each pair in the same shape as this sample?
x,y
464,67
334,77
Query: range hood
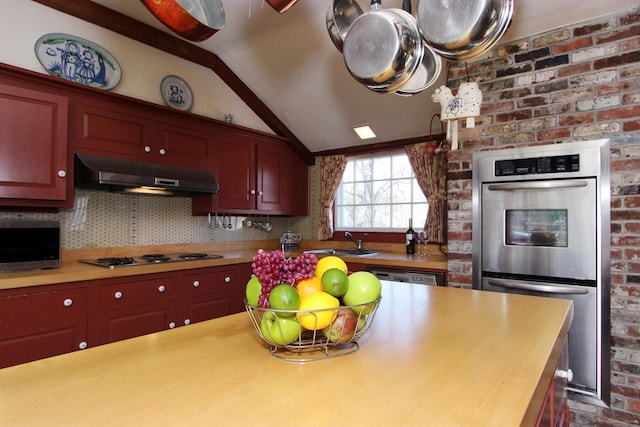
x,y
127,176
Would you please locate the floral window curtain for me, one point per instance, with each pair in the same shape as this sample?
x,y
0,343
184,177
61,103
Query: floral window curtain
x,y
430,169
332,170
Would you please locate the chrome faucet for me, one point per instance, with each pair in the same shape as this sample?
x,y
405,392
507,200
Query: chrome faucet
x,y
357,242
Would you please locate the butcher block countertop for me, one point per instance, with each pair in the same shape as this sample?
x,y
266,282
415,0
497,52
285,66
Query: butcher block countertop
x,y
233,253
434,356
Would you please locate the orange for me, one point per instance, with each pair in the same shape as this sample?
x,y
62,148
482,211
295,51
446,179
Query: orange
x,y
317,310
309,286
328,262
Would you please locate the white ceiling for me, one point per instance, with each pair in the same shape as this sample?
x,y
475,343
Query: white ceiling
x,y
290,63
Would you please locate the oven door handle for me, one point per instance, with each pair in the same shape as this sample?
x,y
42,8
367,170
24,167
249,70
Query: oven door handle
x,y
537,185
536,286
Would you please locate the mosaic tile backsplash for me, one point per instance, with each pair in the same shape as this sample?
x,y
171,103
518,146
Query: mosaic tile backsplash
x,y
101,219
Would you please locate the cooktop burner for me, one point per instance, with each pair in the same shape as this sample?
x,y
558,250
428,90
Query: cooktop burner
x,y
147,259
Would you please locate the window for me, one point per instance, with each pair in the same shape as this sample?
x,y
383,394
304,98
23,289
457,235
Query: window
x,y
379,193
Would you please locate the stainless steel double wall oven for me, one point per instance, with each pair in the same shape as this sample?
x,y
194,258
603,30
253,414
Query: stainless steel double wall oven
x,y
541,227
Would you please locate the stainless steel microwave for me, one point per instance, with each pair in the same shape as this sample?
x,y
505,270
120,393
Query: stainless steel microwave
x,y
29,245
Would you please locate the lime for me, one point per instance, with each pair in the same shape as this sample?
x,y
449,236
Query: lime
x,y
335,282
317,310
284,297
328,262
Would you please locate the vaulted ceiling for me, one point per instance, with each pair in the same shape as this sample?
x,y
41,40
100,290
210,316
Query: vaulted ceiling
x,y
286,68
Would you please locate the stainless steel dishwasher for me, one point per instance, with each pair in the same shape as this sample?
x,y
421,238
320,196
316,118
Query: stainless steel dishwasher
x,y
430,278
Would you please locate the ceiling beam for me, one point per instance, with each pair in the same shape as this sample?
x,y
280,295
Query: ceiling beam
x,y
136,30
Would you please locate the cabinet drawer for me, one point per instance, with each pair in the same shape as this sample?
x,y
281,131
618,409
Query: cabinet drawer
x,y
208,281
28,308
132,294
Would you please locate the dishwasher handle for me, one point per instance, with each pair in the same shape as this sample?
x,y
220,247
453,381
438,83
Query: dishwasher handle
x,y
539,287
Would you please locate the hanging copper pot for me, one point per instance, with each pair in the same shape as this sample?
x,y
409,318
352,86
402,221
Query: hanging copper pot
x,y
281,6
195,20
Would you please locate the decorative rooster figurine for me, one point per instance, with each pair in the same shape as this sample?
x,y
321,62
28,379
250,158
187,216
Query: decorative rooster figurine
x,y
465,105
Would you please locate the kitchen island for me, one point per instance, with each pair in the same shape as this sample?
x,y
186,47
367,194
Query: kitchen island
x,y
434,356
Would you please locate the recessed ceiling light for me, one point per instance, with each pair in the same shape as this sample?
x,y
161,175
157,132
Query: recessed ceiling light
x,y
364,132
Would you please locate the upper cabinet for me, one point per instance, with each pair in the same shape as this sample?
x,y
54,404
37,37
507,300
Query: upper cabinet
x,y
257,174
139,132
33,146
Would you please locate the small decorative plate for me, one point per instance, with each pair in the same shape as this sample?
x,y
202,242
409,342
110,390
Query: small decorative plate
x,y
176,93
78,60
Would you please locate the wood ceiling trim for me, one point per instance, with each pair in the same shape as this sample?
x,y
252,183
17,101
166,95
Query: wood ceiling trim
x,y
134,29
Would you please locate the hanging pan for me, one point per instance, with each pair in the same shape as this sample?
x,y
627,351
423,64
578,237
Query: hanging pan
x,y
340,17
463,29
281,6
383,48
195,20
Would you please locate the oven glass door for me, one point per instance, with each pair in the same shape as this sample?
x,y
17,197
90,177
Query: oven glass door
x,y
540,228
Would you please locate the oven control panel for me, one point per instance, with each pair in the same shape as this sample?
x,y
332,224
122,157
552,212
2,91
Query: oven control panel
x,y
538,165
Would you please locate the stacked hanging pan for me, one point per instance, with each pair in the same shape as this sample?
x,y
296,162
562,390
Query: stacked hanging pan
x,y
390,51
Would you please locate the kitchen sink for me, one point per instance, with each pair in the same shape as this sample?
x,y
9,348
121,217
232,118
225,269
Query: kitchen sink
x,y
344,252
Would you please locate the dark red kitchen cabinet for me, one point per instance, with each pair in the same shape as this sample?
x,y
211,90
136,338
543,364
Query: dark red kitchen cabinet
x,y
132,307
33,146
258,174
213,292
555,412
41,322
121,129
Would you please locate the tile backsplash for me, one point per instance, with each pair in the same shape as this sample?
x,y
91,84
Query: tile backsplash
x,y
101,219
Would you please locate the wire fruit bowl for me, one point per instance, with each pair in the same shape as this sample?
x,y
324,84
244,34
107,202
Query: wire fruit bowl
x,y
310,344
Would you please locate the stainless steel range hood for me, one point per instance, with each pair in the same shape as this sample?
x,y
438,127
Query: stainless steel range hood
x,y
128,176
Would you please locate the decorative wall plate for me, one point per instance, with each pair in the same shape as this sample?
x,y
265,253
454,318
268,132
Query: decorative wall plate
x,y
78,60
176,93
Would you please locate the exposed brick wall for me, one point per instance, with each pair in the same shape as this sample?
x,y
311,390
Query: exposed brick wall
x,y
575,83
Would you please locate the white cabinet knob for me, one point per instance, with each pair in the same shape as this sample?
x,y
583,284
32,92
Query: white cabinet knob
x,y
253,192
62,173
227,279
83,345
568,374
260,193
147,149
68,302
187,321
118,295
163,151
161,288
172,325
196,283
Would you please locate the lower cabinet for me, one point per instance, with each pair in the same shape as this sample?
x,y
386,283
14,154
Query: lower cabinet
x,y
555,411
41,322
127,309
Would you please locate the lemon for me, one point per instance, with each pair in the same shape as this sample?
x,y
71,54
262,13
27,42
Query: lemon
x,y
317,310
329,262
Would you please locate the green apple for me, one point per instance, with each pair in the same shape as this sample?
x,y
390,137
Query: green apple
x,y
279,330
364,287
253,290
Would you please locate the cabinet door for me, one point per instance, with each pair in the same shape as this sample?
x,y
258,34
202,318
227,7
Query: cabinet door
x,y
36,324
114,129
133,322
271,166
126,309
236,160
33,145
185,144
45,339
296,180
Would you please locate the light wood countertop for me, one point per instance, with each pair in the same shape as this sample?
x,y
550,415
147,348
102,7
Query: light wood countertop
x,y
434,356
233,252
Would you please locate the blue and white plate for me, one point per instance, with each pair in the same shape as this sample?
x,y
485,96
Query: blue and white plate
x,y
176,93
78,60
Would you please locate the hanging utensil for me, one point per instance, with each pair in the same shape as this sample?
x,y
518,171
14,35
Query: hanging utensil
x,y
339,18
195,20
281,6
463,29
383,48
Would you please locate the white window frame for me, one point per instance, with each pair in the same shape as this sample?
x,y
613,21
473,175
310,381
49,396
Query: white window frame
x,y
418,203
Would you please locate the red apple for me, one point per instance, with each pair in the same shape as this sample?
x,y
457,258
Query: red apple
x,y
343,328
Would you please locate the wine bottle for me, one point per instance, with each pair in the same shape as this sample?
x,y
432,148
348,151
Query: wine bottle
x,y
411,242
